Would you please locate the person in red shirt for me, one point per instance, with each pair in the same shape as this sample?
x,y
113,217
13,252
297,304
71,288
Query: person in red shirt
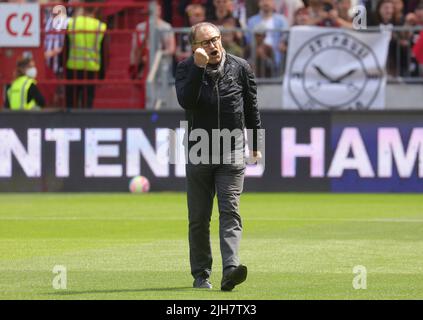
x,y
418,49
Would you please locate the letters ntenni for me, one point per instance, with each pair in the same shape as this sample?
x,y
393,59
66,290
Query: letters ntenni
x,y
106,152
96,144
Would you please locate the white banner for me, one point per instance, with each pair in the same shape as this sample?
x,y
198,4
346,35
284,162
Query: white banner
x,y
19,25
335,69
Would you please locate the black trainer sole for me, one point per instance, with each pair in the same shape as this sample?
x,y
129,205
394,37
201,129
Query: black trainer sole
x,y
236,277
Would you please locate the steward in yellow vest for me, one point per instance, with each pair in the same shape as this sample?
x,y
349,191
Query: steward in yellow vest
x,y
84,56
85,39
23,93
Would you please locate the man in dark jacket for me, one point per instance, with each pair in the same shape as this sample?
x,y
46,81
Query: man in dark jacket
x,y
218,92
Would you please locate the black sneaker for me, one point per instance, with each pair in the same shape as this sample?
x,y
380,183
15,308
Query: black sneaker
x,y
234,278
201,283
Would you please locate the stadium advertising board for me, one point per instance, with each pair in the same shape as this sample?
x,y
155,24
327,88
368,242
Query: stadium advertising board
x,y
319,151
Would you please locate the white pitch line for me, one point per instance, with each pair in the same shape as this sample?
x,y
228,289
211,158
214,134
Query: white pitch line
x,y
387,220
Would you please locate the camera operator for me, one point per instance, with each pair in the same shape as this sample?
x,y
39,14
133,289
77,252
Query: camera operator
x,y
328,14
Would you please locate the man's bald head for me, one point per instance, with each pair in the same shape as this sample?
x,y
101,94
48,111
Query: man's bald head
x,y
207,36
199,26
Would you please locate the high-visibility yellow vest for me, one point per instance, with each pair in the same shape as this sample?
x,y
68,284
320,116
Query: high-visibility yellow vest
x,y
85,46
18,94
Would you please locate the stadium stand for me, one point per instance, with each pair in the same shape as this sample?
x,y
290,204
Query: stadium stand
x,y
147,81
115,86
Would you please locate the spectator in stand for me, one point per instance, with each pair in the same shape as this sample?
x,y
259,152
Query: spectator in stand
x,y
301,17
239,11
418,52
207,4
223,14
411,5
229,40
384,17
167,12
54,41
344,7
417,15
399,12
403,52
196,13
166,43
418,12
288,8
251,8
314,7
263,63
415,19
267,19
384,14
328,15
369,4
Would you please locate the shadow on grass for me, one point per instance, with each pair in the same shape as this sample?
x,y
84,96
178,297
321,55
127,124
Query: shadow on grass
x,y
70,292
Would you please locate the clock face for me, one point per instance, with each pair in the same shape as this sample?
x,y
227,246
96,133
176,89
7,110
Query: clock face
x,y
334,71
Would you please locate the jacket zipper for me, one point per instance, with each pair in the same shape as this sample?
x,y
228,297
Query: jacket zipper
x,y
192,121
218,104
198,98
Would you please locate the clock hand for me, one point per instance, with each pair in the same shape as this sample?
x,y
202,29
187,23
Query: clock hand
x,y
322,73
339,79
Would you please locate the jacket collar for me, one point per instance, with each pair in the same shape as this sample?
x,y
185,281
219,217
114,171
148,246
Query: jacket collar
x,y
218,72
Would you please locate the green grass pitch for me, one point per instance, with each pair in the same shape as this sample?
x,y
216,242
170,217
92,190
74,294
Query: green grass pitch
x,y
296,246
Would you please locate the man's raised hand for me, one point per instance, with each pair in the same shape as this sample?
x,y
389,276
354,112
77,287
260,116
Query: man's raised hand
x,y
201,58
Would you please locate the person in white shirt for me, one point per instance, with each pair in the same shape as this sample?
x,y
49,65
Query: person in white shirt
x,y
166,43
267,19
288,8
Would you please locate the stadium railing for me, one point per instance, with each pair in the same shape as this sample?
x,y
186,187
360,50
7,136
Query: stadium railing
x,y
401,65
